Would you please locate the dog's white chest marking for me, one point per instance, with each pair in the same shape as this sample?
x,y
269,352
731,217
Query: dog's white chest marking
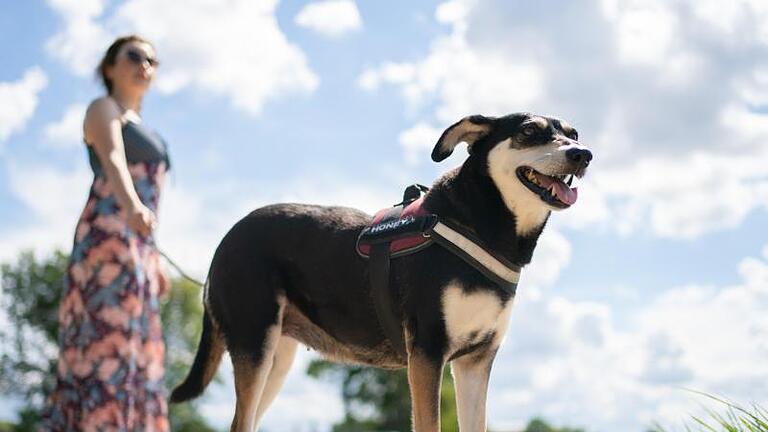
x,y
471,317
530,213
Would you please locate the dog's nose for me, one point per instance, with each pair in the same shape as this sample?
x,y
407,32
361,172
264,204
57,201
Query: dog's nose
x,y
579,156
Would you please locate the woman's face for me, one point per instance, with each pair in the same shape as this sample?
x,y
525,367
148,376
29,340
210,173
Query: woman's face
x,y
134,67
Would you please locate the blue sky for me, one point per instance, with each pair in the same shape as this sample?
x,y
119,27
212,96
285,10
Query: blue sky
x,y
657,279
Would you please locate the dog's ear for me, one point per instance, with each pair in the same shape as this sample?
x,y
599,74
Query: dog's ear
x,y
468,130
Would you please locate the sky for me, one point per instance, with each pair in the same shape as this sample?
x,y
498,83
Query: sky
x,y
655,282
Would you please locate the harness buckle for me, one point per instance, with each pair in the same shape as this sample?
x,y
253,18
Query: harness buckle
x,y
412,193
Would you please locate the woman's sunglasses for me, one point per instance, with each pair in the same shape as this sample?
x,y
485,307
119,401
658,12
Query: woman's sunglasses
x,y
137,58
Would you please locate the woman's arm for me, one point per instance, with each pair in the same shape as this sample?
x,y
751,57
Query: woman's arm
x,y
103,131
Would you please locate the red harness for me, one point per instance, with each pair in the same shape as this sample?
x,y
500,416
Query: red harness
x,y
394,218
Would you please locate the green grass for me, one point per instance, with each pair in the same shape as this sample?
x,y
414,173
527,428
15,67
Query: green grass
x,y
730,418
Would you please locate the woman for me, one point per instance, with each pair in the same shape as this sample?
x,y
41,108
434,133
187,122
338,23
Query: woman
x,y
110,370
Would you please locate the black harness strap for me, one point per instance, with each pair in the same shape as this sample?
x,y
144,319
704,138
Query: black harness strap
x,y
385,298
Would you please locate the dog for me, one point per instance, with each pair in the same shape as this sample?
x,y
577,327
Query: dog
x,y
289,273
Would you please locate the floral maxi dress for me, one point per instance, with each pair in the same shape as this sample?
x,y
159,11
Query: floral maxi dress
x,y
110,367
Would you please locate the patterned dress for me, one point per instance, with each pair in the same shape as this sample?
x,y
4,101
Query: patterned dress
x,y
110,369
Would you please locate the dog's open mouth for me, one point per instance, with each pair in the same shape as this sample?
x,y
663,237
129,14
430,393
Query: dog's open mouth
x,y
553,190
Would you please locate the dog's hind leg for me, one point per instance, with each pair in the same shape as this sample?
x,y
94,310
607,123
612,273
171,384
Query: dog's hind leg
x,y
281,365
470,376
249,383
253,363
251,375
424,376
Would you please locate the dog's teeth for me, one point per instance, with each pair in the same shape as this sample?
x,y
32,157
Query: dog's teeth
x,y
570,180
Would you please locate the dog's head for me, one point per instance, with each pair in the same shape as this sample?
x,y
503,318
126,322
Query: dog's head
x,y
532,159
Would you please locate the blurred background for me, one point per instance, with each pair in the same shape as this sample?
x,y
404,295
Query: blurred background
x,y
655,282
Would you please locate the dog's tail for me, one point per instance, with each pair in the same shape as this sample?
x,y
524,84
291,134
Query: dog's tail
x,y
206,362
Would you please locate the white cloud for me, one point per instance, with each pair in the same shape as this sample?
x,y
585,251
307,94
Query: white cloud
x,y
19,101
591,211
453,12
748,126
82,40
230,48
191,224
662,91
418,142
704,338
688,195
644,31
67,132
399,73
461,80
330,17
51,208
552,255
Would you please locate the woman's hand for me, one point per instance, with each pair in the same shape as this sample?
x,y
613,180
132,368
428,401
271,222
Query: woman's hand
x,y
164,282
141,220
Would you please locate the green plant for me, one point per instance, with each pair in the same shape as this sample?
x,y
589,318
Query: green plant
x,y
735,418
378,399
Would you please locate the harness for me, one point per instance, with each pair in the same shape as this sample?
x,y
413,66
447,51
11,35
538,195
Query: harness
x,y
407,228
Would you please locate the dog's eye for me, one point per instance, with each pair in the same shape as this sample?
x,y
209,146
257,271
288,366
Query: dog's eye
x,y
529,130
572,134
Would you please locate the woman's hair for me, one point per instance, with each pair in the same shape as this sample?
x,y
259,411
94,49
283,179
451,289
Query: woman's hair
x,y
111,56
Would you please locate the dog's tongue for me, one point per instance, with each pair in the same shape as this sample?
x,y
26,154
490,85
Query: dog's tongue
x,y
565,194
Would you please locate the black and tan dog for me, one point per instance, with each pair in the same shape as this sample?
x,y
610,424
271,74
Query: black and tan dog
x,y
289,273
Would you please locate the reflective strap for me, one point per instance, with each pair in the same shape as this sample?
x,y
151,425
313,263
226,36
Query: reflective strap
x,y
479,254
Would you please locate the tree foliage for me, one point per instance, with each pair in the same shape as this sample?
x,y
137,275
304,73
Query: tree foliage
x,y
378,399
539,425
31,291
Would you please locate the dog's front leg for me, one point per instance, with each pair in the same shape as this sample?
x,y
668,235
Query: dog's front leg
x,y
470,377
424,376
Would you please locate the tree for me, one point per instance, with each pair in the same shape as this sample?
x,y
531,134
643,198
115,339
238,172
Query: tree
x,y
379,400
539,425
31,290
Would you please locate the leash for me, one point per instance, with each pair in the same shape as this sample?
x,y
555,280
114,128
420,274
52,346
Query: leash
x,y
178,269
173,264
